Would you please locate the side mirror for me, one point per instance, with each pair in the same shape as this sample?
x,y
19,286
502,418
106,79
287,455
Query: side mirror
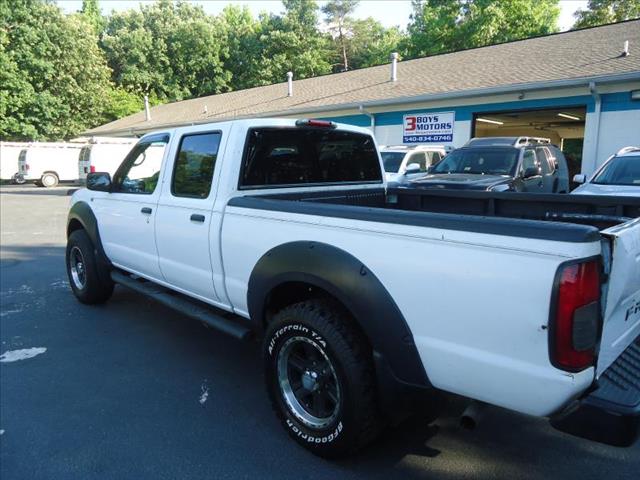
x,y
412,168
579,178
99,182
531,172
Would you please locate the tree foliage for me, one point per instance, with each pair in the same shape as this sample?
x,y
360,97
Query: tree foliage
x,y
599,12
371,43
338,18
171,50
291,42
90,11
54,81
438,27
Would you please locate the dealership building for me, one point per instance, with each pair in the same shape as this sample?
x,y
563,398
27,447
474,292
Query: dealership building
x,y
581,89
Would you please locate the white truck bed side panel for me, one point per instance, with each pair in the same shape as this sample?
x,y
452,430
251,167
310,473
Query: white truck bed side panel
x,y
479,345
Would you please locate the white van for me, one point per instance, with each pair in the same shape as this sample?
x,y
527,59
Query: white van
x,y
103,155
47,164
9,153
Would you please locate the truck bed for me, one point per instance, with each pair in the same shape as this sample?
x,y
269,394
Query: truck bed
x,y
559,217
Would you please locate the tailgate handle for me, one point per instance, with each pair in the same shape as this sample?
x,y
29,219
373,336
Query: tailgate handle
x,y
195,217
146,210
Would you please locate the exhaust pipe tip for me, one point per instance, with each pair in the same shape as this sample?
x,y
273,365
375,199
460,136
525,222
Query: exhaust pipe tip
x,y
472,415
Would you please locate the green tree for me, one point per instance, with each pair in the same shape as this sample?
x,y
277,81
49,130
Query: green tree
x,y
54,82
292,42
169,50
121,103
91,13
371,43
337,16
241,33
599,12
437,27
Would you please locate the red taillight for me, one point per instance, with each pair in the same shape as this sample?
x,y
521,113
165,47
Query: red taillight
x,y
576,326
92,169
315,123
26,166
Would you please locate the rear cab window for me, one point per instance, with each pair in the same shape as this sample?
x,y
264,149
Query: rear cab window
x,y
287,157
194,165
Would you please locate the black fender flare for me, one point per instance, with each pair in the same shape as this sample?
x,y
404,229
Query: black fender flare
x,y
349,281
81,213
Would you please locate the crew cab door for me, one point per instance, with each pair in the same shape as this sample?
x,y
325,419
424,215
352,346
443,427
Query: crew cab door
x,y
126,215
621,324
187,230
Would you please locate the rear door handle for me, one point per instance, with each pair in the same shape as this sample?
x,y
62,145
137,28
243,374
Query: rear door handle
x,y
146,210
197,218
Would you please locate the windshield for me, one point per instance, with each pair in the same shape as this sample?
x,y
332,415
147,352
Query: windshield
x,y
392,161
489,161
620,171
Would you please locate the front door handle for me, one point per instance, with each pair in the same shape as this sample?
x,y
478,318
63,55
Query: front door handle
x,y
195,217
146,210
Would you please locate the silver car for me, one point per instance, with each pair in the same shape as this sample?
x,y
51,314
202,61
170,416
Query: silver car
x,y
619,175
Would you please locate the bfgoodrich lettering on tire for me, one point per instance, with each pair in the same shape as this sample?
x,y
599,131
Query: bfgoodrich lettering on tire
x,y
320,378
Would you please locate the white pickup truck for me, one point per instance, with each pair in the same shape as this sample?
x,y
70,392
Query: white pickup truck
x,y
284,230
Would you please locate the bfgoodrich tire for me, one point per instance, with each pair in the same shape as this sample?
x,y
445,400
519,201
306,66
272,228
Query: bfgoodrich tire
x,y
82,270
320,378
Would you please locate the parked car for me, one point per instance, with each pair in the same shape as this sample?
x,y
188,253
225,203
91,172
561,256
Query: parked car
x,y
407,162
47,164
517,164
619,175
103,155
285,230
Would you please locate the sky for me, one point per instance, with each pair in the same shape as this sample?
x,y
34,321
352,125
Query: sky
x,y
387,12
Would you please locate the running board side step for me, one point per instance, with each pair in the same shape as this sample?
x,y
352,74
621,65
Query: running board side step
x,y
183,304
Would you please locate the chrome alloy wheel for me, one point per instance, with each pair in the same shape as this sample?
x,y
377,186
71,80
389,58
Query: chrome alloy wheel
x,y
77,267
308,382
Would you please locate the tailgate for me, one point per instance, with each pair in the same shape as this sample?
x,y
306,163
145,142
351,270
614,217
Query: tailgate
x,y
621,321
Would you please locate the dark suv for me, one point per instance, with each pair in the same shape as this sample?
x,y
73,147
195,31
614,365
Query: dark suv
x,y
519,164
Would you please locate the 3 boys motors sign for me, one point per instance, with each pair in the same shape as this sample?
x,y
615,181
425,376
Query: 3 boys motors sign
x,y
428,127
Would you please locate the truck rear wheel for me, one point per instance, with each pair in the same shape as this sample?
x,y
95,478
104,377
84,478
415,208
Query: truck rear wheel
x,y
320,378
49,180
82,270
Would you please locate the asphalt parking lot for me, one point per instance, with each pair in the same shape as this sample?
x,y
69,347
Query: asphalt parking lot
x,y
131,389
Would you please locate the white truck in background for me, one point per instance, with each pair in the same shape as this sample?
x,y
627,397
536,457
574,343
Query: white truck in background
x,y
48,163
103,154
286,230
9,153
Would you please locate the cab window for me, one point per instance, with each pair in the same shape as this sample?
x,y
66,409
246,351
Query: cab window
x,y
529,160
140,171
194,165
297,156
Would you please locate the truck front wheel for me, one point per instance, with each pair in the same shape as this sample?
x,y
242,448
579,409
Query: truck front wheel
x,y
82,270
320,378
